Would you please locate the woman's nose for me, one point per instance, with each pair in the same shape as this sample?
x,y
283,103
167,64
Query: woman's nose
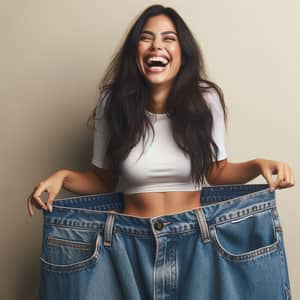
x,y
156,45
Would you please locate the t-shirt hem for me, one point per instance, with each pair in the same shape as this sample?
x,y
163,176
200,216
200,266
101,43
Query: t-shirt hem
x,y
99,164
222,157
149,190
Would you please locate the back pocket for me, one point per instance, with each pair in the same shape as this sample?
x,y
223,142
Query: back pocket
x,y
246,237
69,249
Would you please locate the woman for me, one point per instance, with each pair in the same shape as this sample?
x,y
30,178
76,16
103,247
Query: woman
x,y
159,132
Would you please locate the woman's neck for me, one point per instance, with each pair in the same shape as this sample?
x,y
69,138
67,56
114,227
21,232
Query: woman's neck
x,y
159,97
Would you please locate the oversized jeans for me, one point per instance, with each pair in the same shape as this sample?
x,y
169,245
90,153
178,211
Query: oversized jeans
x,y
229,248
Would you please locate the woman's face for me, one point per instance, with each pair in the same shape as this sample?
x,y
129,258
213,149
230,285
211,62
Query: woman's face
x,y
158,51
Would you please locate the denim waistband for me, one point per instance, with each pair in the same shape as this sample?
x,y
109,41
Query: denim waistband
x,y
218,204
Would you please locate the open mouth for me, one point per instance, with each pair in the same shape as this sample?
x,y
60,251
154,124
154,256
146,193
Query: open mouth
x,y
156,61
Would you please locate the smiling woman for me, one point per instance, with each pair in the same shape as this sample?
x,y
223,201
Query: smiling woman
x,y
159,130
159,53
157,81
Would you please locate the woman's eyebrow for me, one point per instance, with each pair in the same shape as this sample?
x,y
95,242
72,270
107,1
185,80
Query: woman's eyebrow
x,y
162,33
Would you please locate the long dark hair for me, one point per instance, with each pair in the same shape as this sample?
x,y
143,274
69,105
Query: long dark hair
x,y
128,94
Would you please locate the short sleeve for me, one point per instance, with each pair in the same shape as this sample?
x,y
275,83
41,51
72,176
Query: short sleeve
x,y
100,136
218,131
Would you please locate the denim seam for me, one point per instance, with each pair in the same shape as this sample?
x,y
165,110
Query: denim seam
x,y
49,253
229,201
108,230
277,222
245,256
101,229
268,206
203,226
56,242
155,262
287,292
114,197
78,266
82,226
87,210
128,231
240,198
283,266
173,269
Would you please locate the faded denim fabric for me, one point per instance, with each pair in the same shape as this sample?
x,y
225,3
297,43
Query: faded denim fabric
x,y
231,248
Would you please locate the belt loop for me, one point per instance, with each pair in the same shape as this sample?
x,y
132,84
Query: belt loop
x,y
109,223
203,225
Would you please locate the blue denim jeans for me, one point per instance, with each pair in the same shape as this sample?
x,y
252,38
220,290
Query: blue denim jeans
x,y
229,248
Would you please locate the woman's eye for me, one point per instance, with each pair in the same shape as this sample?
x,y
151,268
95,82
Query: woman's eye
x,y
145,38
149,38
170,39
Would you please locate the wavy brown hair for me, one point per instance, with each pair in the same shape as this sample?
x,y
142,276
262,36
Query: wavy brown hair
x,y
128,94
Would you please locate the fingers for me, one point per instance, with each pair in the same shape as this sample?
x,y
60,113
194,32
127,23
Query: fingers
x,y
285,177
288,178
268,176
293,181
280,175
29,205
50,201
35,200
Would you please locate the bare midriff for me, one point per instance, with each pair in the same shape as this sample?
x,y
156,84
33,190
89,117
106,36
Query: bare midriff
x,y
153,204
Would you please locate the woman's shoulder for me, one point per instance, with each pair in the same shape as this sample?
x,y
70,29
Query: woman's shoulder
x,y
212,95
104,95
210,92
102,101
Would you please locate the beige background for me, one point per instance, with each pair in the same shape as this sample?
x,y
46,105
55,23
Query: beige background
x,y
53,54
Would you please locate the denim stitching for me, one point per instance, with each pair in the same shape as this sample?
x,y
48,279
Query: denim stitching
x,y
62,224
240,198
242,257
283,265
78,266
203,225
55,242
108,230
243,212
287,293
155,262
278,226
173,269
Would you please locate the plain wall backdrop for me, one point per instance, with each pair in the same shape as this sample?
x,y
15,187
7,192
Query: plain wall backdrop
x,y
53,55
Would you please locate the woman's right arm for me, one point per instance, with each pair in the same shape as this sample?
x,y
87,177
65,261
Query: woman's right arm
x,y
97,181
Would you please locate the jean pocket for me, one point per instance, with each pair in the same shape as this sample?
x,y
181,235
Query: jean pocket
x,y
246,238
69,249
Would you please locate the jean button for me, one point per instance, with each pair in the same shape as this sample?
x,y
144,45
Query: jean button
x,y
158,225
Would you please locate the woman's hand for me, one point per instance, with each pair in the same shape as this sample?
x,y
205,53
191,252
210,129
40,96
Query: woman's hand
x,y
52,185
285,177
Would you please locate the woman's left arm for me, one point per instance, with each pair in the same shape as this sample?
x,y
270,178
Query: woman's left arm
x,y
224,172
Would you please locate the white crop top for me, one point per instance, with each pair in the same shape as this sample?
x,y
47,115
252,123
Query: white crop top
x,y
163,166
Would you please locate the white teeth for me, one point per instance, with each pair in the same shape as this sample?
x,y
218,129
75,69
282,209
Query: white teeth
x,y
157,58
